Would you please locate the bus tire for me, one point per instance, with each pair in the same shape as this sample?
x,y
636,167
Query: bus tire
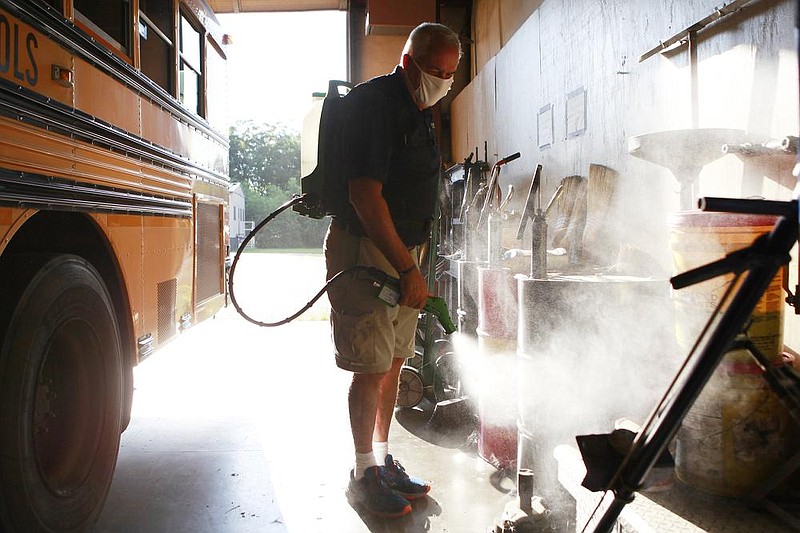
x,y
61,398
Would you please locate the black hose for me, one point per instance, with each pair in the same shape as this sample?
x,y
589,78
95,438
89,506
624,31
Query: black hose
x,y
294,201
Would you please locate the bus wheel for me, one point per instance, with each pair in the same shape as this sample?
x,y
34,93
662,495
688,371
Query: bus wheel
x,y
61,396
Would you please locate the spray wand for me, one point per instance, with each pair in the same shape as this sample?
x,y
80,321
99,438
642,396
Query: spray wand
x,y
388,286
389,293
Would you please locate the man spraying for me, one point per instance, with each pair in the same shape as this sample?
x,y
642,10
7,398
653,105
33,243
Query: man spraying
x,y
390,173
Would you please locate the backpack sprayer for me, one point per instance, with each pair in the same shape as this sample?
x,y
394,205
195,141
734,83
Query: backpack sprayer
x,y
316,189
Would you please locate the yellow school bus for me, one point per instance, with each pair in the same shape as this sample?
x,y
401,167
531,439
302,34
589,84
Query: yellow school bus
x,y
113,195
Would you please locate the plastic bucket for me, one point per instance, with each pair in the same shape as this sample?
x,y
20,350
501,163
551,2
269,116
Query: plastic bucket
x,y
698,238
737,432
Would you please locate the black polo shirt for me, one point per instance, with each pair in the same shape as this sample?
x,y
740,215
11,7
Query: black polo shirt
x,y
385,137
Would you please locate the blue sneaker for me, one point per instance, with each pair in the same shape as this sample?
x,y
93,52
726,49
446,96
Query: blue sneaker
x,y
396,478
373,494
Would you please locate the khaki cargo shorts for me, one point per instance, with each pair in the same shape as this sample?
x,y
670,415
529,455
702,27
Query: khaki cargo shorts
x,y
367,334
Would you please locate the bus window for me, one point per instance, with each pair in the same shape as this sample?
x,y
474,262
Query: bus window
x,y
190,80
160,14
110,20
216,86
155,30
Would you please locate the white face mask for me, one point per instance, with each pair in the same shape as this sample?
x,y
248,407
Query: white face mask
x,y
431,89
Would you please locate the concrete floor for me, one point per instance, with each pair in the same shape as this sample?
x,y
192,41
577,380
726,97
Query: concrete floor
x,y
237,428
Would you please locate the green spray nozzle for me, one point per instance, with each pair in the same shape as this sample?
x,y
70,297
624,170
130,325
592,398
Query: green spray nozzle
x,y
438,308
389,293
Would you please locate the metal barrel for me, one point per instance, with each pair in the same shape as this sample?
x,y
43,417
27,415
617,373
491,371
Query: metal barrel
x,y
584,361
497,401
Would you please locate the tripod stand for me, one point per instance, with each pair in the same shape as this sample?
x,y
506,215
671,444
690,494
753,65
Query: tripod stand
x,y
755,266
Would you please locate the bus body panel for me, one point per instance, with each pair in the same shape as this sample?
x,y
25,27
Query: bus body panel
x,y
181,167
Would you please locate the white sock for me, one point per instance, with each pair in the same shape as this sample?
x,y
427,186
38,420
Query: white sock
x,y
363,461
381,450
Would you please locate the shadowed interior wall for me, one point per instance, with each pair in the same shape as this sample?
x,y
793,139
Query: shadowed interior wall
x,y
583,55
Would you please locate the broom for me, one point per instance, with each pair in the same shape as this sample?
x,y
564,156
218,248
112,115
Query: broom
x,y
601,187
566,207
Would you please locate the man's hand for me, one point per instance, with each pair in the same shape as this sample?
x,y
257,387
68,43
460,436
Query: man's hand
x,y
370,206
413,290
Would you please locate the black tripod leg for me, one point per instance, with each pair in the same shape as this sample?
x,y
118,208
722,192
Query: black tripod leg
x,y
664,423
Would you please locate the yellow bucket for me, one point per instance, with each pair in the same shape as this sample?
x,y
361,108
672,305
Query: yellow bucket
x,y
698,238
737,432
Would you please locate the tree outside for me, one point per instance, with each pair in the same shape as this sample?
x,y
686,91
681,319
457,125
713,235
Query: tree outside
x,y
265,159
